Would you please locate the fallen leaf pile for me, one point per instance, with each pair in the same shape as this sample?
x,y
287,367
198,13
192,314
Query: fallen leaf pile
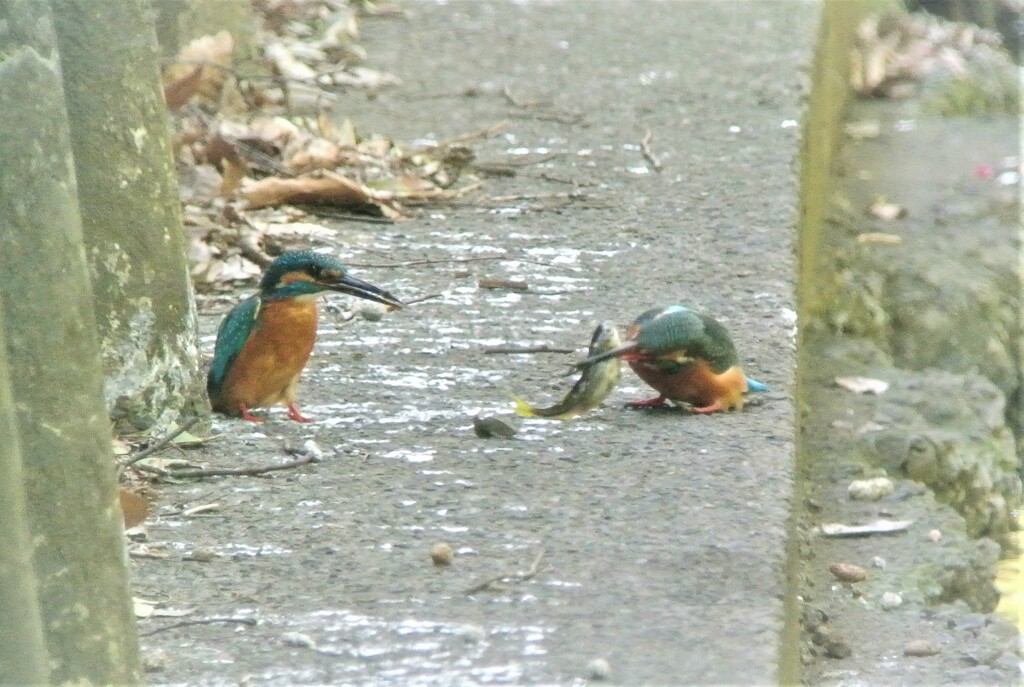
x,y
250,148
893,52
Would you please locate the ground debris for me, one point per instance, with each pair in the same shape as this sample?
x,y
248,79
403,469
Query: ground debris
x,y
881,526
518,576
246,142
490,426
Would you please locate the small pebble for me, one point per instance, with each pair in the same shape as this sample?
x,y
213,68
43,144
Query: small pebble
x,y
491,426
442,554
878,562
848,572
921,647
870,489
833,644
202,554
599,669
313,450
471,634
154,661
934,535
890,601
303,641
374,312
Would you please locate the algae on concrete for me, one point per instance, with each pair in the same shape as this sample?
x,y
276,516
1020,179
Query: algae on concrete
x,y
131,213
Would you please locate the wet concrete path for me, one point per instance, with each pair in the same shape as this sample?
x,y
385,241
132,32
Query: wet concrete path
x,y
662,533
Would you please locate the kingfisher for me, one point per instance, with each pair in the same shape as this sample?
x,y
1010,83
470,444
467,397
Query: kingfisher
x,y
686,356
264,341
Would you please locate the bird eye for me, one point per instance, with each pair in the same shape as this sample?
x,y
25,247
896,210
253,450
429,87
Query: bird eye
x,y
315,271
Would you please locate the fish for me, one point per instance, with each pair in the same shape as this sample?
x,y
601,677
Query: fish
x,y
593,386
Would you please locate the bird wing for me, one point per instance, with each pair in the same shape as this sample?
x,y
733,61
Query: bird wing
x,y
680,336
231,337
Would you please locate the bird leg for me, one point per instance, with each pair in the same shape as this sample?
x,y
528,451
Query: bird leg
x,y
717,405
655,402
246,415
294,414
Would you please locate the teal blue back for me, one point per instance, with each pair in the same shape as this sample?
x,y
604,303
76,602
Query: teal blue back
x,y
675,328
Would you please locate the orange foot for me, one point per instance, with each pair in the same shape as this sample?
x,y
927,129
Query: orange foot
x,y
246,415
717,405
655,402
294,414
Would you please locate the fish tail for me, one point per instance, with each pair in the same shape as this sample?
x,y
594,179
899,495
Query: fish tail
x,y
525,409
754,385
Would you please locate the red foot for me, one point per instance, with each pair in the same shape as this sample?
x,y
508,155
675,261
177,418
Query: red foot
x,y
294,414
717,405
246,415
655,402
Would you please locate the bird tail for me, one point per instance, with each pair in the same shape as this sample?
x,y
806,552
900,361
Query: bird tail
x,y
523,408
754,385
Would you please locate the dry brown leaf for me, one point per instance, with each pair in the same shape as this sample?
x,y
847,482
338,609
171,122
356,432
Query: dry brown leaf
x,y
328,189
406,186
133,507
287,65
319,153
235,170
215,50
180,91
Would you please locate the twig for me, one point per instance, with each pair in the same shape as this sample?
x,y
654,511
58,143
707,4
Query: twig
x,y
562,195
227,472
428,297
555,113
518,576
324,211
471,136
645,150
495,167
523,104
513,284
515,350
160,445
251,622
443,261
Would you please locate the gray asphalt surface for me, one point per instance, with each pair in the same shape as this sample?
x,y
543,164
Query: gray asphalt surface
x,y
662,533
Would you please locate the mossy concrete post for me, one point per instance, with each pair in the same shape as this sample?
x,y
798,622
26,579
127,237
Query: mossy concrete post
x,y
23,658
49,337
131,212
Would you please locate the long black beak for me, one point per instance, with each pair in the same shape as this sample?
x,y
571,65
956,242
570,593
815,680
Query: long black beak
x,y
362,289
615,352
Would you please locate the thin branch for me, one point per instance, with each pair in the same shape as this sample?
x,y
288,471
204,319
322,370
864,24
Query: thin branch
x,y
251,622
509,166
471,136
518,576
324,211
227,472
159,445
645,150
512,284
444,261
516,350
428,297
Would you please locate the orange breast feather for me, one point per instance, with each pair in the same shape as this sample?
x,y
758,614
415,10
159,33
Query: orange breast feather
x,y
267,368
696,384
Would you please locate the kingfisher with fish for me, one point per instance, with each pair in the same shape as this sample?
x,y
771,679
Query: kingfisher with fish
x,y
687,357
264,342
